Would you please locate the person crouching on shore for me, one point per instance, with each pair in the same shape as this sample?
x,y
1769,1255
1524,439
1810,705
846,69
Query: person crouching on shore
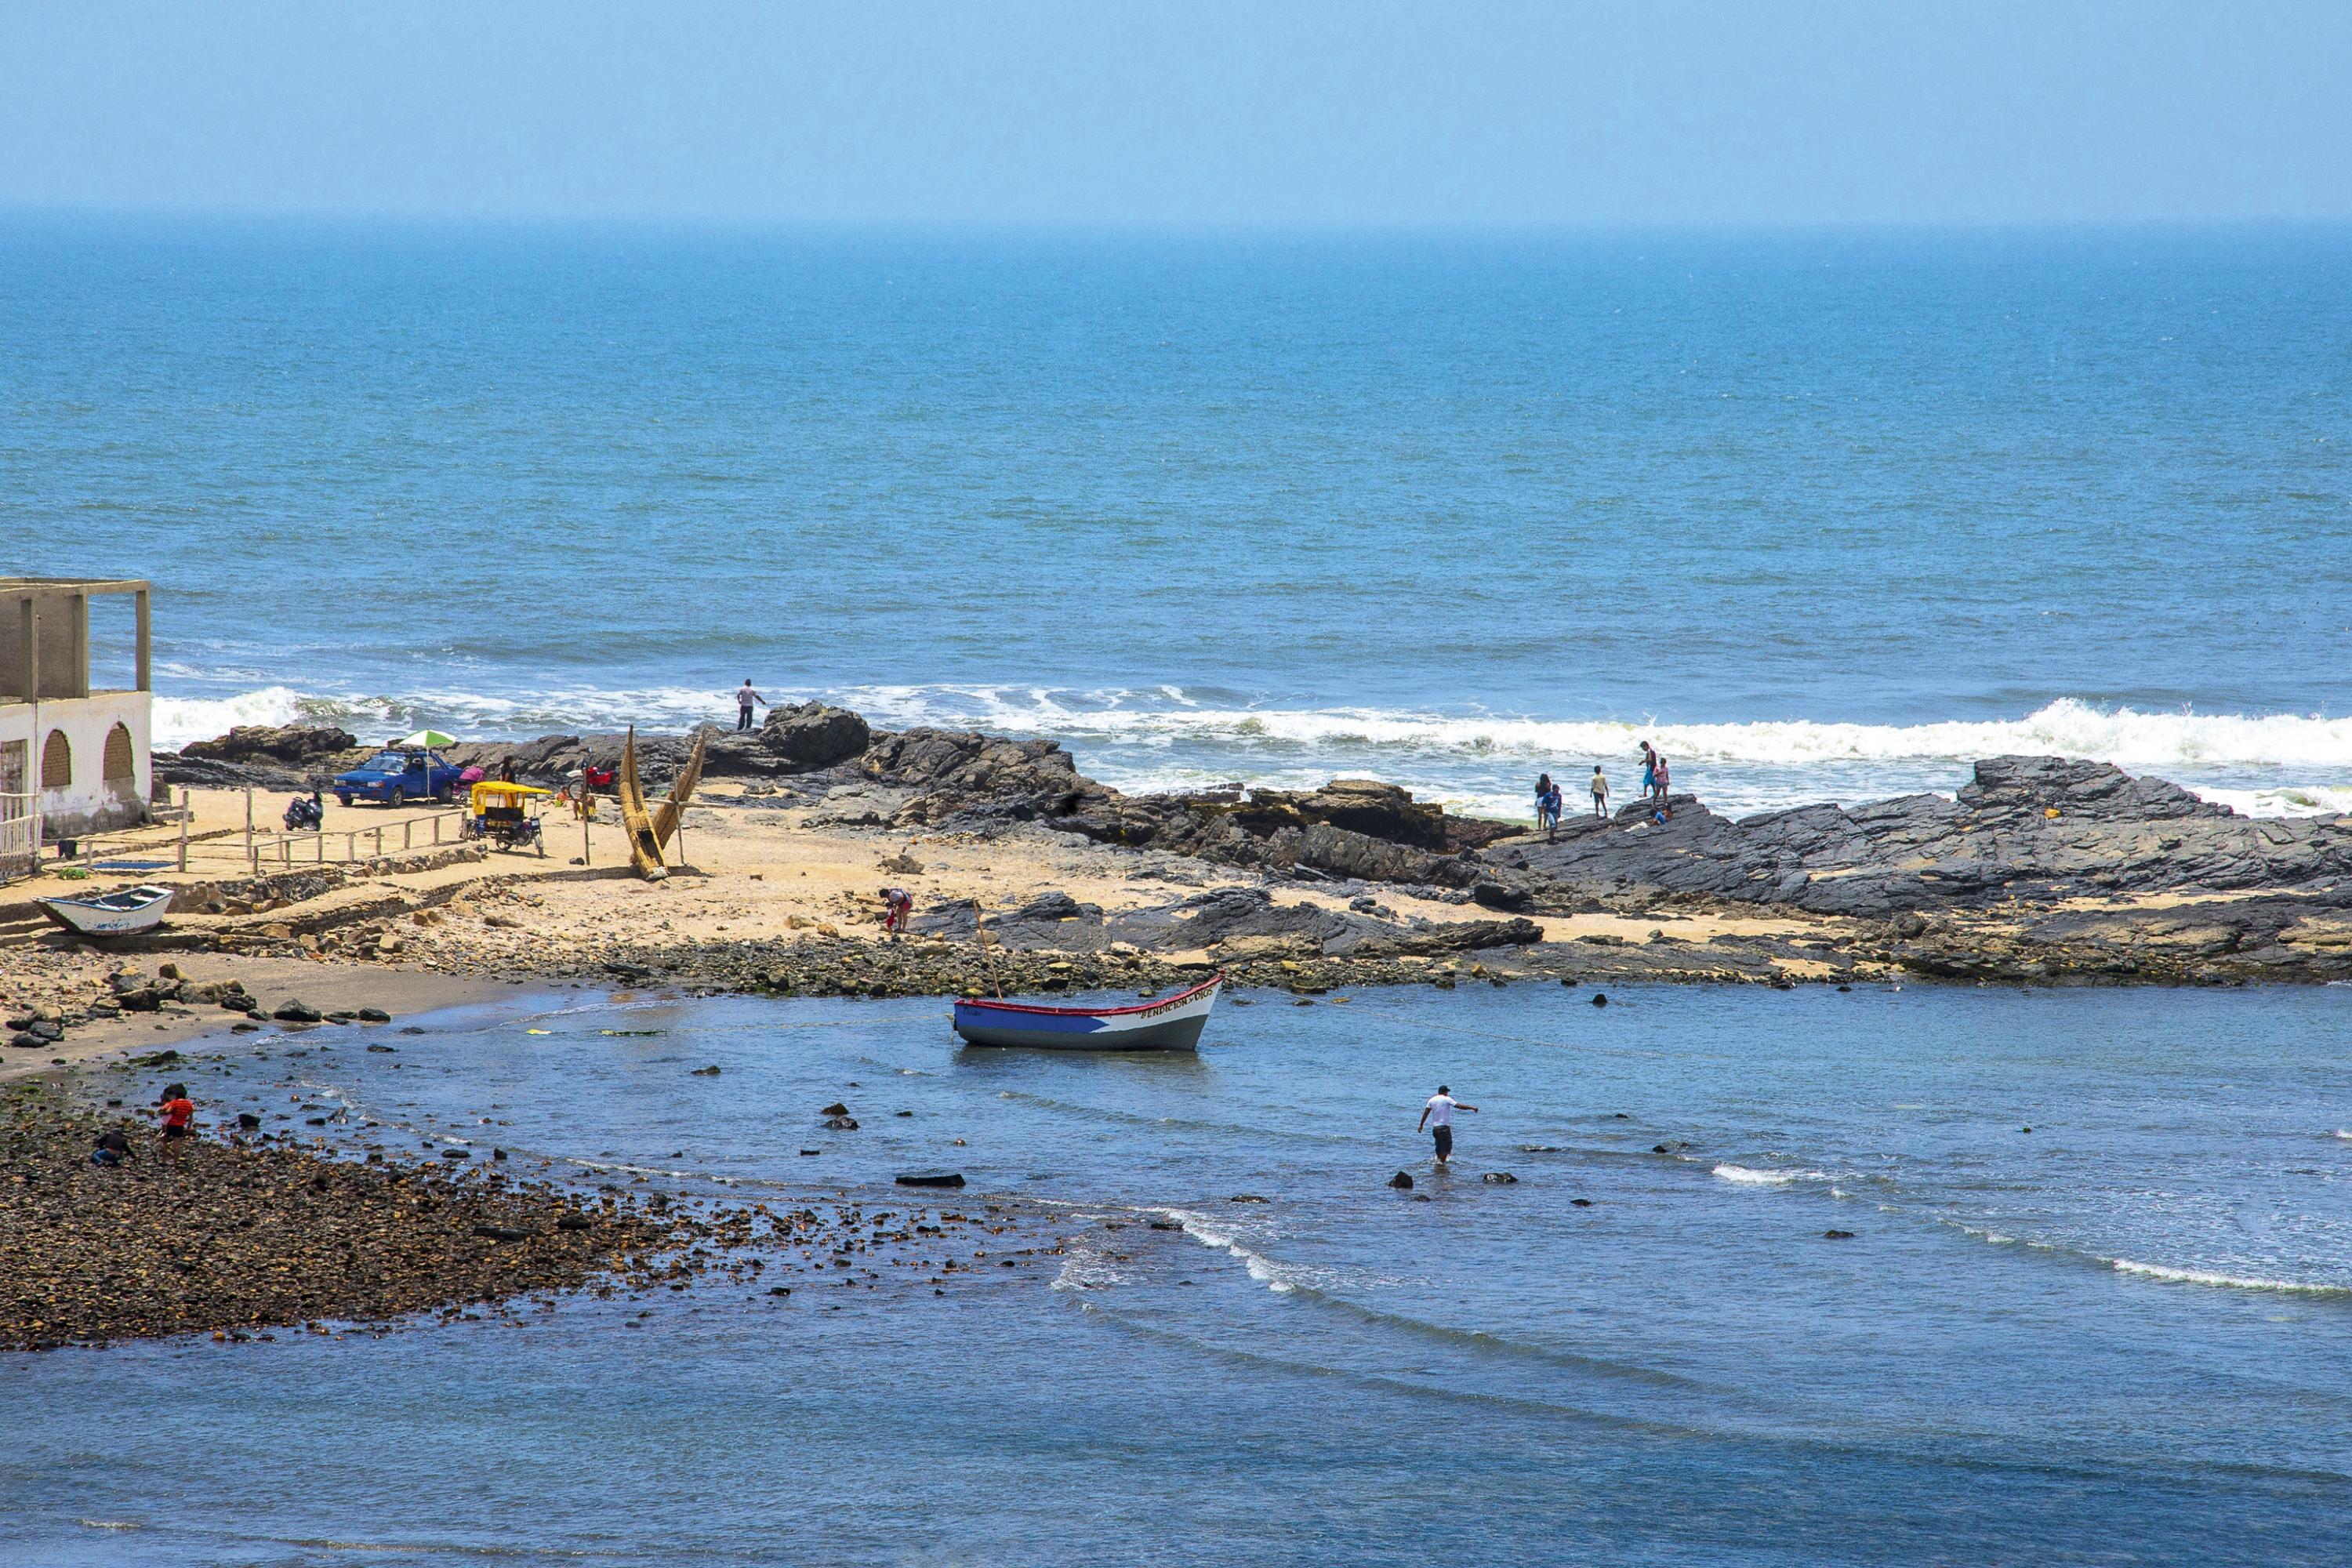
x,y
896,905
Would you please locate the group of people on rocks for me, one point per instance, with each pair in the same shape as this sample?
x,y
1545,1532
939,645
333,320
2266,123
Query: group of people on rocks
x,y
1654,785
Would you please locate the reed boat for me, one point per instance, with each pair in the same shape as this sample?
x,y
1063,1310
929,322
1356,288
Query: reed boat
x,y
1171,1024
645,846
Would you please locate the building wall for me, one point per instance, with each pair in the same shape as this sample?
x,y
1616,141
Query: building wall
x,y
87,804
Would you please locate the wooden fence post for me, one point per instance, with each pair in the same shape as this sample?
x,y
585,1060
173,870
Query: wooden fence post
x,y
183,827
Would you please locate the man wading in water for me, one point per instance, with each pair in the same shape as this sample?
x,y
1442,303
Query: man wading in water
x,y
1438,1117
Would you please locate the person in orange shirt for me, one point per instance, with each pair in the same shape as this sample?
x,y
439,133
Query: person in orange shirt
x,y
179,1113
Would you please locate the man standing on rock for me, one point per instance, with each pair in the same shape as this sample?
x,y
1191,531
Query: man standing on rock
x,y
1599,792
1438,1117
743,700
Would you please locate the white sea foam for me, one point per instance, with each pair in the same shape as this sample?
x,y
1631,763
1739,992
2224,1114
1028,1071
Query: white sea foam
x,y
1262,1268
1748,1176
2232,1281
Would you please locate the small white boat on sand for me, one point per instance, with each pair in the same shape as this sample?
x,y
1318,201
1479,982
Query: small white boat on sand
x,y
1171,1024
126,912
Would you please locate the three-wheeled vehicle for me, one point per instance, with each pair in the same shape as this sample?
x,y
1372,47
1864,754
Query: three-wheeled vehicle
x,y
495,811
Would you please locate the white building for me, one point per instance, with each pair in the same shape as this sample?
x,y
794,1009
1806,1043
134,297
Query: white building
x,y
72,761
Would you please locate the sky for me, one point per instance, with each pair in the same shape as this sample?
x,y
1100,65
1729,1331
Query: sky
x,y
1362,112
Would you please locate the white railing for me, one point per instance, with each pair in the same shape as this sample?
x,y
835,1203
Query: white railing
x,y
321,846
20,835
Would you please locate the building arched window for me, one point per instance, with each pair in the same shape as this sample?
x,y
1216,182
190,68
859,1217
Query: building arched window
x,y
120,767
56,761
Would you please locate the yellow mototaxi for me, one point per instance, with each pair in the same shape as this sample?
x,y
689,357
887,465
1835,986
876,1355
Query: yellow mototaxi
x,y
497,812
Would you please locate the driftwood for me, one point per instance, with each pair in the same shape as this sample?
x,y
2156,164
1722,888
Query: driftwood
x,y
650,831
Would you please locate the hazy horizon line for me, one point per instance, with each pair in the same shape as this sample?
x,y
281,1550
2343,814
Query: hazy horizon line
x,y
193,214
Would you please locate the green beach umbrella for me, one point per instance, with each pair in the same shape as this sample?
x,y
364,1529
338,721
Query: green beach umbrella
x,y
428,741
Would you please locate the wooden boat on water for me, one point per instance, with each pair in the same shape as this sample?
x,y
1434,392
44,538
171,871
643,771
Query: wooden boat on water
x,y
125,911
1171,1024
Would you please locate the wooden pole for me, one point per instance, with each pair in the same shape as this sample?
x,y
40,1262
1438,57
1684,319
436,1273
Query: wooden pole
x,y
379,843
183,827
584,860
249,853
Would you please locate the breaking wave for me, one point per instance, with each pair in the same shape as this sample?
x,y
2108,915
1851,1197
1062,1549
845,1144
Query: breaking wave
x,y
1744,1176
2232,1281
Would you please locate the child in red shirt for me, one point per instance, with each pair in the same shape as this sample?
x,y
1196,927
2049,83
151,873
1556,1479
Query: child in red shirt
x,y
179,1112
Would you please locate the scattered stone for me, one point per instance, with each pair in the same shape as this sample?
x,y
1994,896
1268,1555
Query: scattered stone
x,y
1401,1181
929,1178
1500,1178
1837,1235
297,1011
710,1071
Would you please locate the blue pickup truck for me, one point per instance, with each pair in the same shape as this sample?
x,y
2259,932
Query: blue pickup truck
x,y
396,778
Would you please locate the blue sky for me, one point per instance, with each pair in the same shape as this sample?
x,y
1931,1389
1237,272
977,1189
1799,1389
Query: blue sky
x,y
1365,112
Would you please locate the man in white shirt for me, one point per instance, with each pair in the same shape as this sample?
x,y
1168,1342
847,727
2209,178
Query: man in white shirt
x,y
743,700
1438,1117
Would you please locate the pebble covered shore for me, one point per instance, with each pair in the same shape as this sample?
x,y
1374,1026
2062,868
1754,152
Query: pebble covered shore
x,y
242,1238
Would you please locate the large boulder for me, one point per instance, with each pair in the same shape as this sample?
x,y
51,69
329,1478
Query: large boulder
x,y
959,774
813,735
1376,810
2032,785
285,745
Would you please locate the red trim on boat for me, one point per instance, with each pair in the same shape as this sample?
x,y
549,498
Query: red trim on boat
x,y
1213,979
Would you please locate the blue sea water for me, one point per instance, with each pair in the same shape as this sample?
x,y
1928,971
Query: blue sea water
x,y
1830,514
2124,1336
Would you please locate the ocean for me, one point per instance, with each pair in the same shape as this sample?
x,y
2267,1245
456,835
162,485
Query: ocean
x,y
1828,514
2095,1306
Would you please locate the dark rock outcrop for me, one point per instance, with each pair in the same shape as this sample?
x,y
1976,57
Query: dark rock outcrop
x,y
2033,829
295,746
963,775
814,735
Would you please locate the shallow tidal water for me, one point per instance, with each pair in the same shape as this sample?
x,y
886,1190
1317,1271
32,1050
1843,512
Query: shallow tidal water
x,y
2124,1336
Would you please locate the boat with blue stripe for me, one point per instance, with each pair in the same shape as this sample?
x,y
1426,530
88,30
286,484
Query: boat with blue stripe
x,y
1171,1024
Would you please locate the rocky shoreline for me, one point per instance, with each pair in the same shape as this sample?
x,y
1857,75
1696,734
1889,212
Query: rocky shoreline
x,y
246,1232
2040,870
